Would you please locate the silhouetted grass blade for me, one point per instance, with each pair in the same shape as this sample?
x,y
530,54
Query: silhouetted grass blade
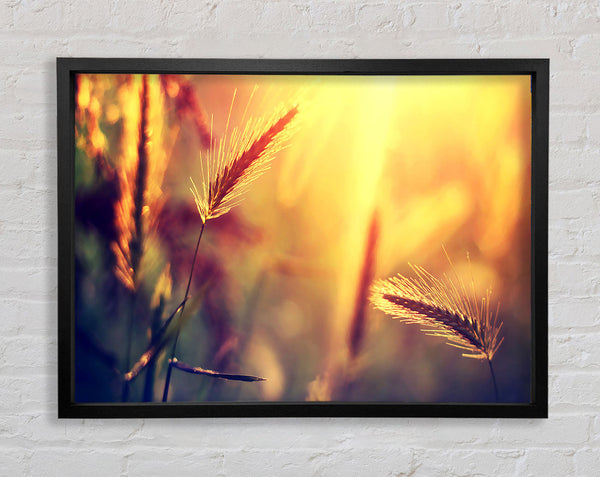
x,y
213,374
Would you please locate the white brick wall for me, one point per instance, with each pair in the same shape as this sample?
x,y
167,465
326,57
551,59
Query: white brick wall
x,y
33,33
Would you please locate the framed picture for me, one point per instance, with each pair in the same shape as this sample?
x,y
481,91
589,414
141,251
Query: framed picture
x,y
302,237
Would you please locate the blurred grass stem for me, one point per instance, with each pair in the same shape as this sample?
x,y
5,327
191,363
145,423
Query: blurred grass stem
x,y
136,242
125,395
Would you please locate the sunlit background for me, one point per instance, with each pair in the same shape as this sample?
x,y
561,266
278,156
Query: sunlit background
x,y
378,172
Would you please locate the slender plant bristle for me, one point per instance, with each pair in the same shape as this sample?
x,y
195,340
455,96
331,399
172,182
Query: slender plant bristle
x,y
237,160
442,308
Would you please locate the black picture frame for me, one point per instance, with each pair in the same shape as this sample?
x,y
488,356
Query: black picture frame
x,y
67,68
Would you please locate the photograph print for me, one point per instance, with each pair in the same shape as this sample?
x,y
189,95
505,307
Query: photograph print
x,y
302,238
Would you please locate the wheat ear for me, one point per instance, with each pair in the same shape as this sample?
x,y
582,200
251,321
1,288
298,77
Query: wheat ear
x,y
444,308
237,160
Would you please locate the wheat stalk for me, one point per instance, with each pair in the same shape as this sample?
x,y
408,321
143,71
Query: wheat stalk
x,y
236,161
444,308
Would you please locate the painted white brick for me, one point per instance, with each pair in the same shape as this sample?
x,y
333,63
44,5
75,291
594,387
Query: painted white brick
x,y
574,17
591,242
574,312
573,204
23,245
27,315
44,15
379,17
587,461
32,169
333,16
575,351
575,88
585,50
574,166
464,433
574,279
26,125
15,461
576,388
300,461
551,18
28,207
233,15
364,461
33,355
188,462
557,49
293,462
595,431
517,18
431,16
22,395
563,241
447,48
88,15
113,432
593,128
63,462
574,431
121,47
467,462
27,283
548,462
567,127
138,16
471,17
35,87
186,17
31,50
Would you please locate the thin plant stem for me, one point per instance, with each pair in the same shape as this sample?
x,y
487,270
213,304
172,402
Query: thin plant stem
x,y
173,350
493,379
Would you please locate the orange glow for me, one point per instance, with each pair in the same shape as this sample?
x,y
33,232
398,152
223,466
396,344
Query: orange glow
x,y
438,162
